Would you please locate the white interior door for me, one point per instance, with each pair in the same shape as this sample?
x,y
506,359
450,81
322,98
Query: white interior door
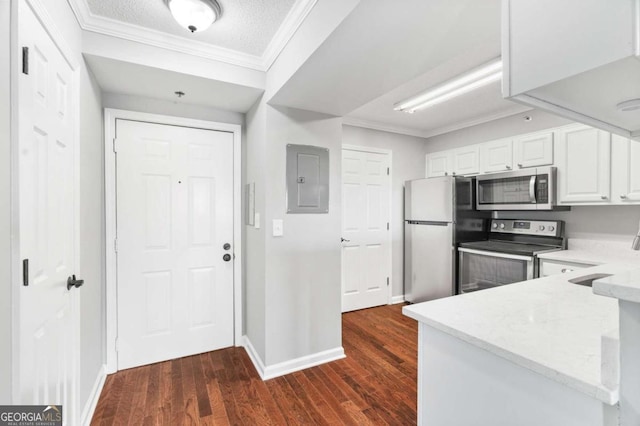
x,y
174,220
47,364
366,246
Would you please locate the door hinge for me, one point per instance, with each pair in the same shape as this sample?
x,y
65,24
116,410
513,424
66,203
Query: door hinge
x,y
25,60
115,145
115,245
387,171
25,272
387,281
387,226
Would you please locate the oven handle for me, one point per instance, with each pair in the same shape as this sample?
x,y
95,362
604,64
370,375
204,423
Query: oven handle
x,y
532,189
496,254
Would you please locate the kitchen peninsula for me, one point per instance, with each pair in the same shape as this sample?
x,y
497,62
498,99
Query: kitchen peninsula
x,y
543,351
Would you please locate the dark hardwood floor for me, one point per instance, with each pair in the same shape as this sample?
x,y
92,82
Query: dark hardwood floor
x,y
375,384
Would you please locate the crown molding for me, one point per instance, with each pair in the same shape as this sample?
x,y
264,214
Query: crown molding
x,y
374,125
102,25
287,29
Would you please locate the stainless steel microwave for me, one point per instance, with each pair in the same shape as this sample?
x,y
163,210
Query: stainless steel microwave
x,y
529,189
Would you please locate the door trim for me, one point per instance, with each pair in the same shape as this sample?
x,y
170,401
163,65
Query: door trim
x,y
110,117
15,59
389,153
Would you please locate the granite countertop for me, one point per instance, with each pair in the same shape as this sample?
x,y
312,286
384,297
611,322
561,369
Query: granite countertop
x,y
547,325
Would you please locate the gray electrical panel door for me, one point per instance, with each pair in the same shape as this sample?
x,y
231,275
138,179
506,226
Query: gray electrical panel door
x,y
307,179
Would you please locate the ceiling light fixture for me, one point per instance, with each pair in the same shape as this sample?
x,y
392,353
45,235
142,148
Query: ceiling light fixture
x,y
465,83
195,15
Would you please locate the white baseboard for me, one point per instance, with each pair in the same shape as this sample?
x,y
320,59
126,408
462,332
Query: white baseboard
x,y
397,299
297,364
92,402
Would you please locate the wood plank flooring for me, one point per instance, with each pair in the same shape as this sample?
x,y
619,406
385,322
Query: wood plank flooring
x,y
374,385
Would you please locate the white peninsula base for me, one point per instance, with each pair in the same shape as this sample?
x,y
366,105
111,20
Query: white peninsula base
x,y
460,384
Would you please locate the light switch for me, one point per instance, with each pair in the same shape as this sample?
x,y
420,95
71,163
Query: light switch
x,y
278,227
256,220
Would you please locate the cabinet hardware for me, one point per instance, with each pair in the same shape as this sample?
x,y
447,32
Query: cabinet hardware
x,y
519,165
604,197
624,197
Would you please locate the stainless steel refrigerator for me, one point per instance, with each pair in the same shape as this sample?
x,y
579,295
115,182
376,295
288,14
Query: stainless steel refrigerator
x,y
439,214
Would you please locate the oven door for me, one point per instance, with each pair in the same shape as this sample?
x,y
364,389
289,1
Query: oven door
x,y
480,270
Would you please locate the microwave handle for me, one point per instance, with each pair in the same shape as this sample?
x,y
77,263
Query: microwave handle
x,y
532,189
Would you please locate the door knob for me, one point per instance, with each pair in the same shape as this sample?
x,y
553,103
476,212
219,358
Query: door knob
x,y
73,282
344,240
226,246
226,257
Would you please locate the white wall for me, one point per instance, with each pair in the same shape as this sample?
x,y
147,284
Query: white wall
x,y
303,268
176,109
5,208
255,257
408,163
502,128
594,222
92,232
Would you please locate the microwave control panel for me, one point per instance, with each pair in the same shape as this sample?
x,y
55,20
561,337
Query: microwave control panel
x,y
547,228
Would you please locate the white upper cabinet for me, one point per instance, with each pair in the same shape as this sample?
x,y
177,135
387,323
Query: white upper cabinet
x,y
584,165
575,58
439,164
466,161
533,150
625,176
496,156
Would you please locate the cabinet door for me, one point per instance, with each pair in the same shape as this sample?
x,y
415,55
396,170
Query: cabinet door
x,y
625,176
533,150
496,156
466,161
439,164
584,165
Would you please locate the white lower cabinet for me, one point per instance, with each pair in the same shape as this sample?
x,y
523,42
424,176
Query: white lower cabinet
x,y
625,175
554,267
439,164
533,150
466,161
496,156
584,165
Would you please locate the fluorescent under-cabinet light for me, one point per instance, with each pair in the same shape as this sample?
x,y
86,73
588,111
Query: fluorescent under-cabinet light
x,y
460,85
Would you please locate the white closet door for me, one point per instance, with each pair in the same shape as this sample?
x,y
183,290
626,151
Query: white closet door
x,y
366,249
174,221
48,313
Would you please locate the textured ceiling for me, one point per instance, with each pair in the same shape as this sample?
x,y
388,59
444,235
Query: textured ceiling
x,y
246,26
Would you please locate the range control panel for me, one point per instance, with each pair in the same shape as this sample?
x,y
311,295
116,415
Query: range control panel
x,y
546,228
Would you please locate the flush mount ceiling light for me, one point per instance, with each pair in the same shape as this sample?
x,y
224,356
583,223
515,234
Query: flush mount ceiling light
x,y
195,15
630,105
474,79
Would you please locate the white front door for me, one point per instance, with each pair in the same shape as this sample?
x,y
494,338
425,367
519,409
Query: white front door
x,y
366,246
47,358
174,241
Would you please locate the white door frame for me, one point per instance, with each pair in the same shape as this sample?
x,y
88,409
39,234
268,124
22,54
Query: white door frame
x,y
41,13
390,233
110,117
